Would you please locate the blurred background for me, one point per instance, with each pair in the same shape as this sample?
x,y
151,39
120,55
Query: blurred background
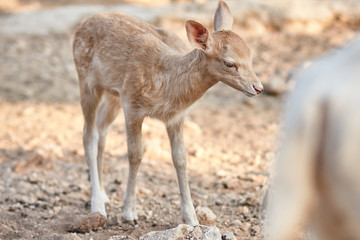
x,y
230,139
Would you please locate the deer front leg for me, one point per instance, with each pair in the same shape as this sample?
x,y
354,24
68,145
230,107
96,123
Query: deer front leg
x,y
175,133
135,152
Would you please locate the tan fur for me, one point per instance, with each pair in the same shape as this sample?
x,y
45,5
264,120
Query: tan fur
x,y
316,176
124,61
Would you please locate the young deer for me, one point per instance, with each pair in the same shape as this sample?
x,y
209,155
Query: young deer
x,y
122,60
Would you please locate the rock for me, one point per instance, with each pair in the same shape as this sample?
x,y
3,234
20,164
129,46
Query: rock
x,y
144,192
199,152
231,184
228,236
15,207
276,86
218,202
245,210
254,230
86,223
246,226
205,216
237,223
26,200
241,233
184,231
121,238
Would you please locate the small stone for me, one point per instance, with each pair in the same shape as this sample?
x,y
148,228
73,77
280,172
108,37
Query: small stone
x,y
57,209
118,181
240,233
247,226
144,192
121,238
231,184
236,223
15,207
154,223
184,231
205,216
34,178
228,236
245,210
254,230
218,202
196,233
26,200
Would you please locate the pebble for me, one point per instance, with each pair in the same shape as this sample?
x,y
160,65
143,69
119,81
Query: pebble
x,y
184,231
247,226
254,230
144,192
228,236
31,199
241,234
15,207
245,210
230,184
206,216
121,238
35,178
236,223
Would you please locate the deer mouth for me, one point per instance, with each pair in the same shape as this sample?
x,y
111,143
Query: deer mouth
x,y
249,94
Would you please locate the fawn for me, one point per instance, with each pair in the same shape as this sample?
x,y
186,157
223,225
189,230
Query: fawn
x,y
124,61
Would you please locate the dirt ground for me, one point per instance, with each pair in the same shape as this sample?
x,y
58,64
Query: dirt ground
x,y
230,139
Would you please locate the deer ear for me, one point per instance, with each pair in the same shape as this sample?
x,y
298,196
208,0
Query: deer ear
x,y
197,34
223,19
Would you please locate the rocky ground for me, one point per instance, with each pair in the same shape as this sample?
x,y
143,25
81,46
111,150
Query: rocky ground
x,y
230,139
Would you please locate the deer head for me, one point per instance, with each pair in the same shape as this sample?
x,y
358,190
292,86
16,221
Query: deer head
x,y
228,57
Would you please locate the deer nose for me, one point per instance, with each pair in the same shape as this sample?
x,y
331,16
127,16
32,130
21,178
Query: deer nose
x,y
258,89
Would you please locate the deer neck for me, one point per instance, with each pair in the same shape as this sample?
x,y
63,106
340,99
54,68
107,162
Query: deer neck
x,y
187,77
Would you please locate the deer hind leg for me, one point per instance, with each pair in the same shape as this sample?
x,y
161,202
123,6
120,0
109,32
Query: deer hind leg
x,y
135,152
175,133
108,111
89,103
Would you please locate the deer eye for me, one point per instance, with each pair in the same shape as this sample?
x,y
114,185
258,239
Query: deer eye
x,y
229,65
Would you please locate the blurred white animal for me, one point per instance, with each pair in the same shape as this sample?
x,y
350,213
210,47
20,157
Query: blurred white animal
x,y
317,173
